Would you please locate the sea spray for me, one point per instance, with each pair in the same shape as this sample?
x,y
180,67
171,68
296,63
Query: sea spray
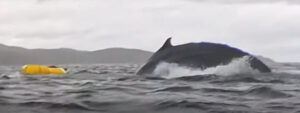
x,y
236,66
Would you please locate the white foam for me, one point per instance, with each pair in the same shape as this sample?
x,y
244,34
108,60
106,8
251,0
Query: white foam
x,y
173,70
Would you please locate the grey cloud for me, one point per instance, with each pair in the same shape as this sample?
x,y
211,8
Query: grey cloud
x,y
52,34
248,1
145,24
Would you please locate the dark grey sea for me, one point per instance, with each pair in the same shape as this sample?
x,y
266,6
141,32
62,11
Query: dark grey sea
x,y
114,88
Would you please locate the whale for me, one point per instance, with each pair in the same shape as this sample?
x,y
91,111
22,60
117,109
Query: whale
x,y
200,55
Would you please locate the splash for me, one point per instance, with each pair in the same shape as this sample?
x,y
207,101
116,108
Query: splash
x,y
236,66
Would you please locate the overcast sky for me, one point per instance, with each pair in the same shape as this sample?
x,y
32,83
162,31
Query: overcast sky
x,y
270,28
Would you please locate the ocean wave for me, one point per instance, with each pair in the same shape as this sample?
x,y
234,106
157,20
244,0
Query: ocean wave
x,y
90,72
56,105
198,78
218,90
266,92
239,78
249,78
176,89
202,106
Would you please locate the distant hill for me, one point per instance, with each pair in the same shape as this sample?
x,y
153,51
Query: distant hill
x,y
10,55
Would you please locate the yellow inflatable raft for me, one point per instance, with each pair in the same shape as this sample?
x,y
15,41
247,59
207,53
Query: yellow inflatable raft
x,y
34,69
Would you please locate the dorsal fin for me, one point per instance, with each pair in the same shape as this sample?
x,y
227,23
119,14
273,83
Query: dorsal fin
x,y
167,44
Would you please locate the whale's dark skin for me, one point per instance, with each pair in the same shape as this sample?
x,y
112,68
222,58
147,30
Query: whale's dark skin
x,y
198,55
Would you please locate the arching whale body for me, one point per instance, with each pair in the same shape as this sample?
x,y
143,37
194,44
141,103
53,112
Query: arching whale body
x,y
198,55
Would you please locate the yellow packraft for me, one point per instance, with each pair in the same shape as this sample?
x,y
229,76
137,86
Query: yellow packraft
x,y
34,69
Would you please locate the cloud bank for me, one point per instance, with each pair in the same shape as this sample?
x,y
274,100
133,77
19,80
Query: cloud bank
x,y
264,27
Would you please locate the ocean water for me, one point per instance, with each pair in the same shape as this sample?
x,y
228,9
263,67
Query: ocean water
x,y
114,88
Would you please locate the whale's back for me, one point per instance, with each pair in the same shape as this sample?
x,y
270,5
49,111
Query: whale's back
x,y
199,55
